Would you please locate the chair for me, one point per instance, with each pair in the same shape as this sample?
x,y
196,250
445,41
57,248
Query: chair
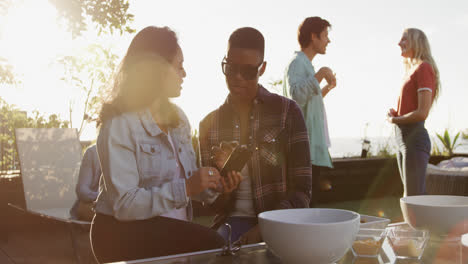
x,y
442,180
50,160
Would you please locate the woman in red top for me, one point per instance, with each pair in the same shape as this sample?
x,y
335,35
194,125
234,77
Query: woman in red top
x,y
420,88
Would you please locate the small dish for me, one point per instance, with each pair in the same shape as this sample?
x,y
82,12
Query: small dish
x,y
368,242
406,242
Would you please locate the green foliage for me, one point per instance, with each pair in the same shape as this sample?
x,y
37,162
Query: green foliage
x,y
436,150
448,143
88,72
384,150
7,75
465,134
10,118
276,86
107,15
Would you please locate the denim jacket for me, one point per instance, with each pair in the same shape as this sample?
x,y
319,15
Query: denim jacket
x,y
139,167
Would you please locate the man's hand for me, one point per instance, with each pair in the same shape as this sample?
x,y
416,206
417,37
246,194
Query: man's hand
x,y
251,237
231,182
220,154
327,74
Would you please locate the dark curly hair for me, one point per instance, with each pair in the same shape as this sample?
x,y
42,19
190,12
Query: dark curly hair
x,y
141,74
310,25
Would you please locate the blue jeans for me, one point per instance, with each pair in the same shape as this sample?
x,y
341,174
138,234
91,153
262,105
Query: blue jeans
x,y
239,225
414,147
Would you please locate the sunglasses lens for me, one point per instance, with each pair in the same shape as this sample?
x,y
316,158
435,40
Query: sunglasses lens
x,y
229,69
246,71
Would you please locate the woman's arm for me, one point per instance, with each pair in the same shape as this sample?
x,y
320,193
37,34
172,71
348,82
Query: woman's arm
x,y
85,178
420,114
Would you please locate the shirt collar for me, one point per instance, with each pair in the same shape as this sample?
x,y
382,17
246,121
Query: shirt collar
x,y
262,95
148,123
300,53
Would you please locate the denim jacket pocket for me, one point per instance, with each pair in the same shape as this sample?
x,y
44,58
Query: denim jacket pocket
x,y
150,159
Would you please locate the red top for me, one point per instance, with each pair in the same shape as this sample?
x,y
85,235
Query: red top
x,y
423,77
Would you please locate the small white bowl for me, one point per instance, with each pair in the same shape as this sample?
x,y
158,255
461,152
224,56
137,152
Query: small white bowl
x,y
440,214
309,235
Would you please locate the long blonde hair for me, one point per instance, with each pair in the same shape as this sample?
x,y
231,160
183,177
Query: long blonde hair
x,y
417,41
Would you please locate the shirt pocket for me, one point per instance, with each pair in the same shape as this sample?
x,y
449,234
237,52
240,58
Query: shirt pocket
x,y
150,159
271,146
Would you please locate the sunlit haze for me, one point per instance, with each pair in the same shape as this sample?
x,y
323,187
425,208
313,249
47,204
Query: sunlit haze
x,y
363,52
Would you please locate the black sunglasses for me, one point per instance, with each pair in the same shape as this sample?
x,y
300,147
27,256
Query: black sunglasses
x,y
248,72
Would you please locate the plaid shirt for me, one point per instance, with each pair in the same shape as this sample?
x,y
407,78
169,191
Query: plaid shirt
x,y
280,165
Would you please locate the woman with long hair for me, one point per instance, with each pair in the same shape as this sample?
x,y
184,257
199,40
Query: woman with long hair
x,y
420,89
149,172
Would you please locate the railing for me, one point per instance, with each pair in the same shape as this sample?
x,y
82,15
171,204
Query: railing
x,y
8,174
8,157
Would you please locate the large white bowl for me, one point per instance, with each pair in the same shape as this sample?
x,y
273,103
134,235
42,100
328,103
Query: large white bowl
x,y
440,214
309,235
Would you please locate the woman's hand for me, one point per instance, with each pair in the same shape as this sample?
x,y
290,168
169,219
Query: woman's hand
x,y
391,114
202,179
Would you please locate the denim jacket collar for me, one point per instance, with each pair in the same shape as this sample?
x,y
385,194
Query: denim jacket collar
x,y
148,123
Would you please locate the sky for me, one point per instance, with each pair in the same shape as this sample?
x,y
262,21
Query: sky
x,y
363,53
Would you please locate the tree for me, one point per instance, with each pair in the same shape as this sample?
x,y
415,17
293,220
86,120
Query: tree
x,y
7,75
10,118
107,15
89,73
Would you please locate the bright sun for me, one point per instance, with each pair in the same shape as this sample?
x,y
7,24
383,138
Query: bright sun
x,y
31,41
31,37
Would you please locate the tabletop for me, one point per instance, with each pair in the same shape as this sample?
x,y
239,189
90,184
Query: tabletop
x,y
437,251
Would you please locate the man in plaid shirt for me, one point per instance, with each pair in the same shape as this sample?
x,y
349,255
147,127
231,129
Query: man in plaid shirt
x,y
278,175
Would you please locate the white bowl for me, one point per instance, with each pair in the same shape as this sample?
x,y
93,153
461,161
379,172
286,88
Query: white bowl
x,y
440,214
309,235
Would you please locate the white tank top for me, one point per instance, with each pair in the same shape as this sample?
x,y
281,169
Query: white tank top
x,y
180,213
244,205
